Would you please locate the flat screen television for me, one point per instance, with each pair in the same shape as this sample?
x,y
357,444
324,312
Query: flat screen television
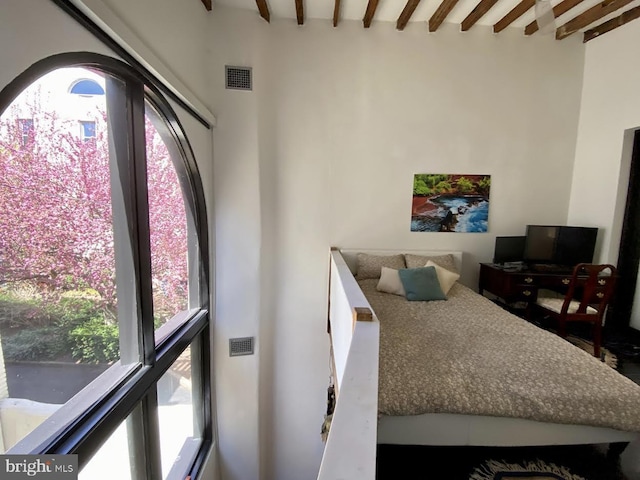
x,y
509,249
559,245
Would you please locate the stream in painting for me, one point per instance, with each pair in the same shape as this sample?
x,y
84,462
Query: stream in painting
x,y
451,214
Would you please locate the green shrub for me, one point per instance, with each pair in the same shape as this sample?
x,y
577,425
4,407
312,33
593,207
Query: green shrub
x,y
94,341
19,312
71,312
38,344
76,323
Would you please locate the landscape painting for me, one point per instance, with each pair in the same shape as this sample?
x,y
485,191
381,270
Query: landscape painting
x,y
450,203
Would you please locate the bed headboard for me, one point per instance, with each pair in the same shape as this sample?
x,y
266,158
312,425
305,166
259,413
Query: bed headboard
x,y
350,255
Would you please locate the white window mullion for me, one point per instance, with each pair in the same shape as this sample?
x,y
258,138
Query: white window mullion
x,y
143,437
123,202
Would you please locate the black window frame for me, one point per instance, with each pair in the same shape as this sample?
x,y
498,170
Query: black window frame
x,y
84,433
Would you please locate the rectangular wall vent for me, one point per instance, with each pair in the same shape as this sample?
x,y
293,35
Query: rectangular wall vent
x,y
238,78
240,346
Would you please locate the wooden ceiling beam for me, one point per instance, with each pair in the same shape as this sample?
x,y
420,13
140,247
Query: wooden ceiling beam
x,y
207,4
589,16
336,13
513,15
560,9
616,22
440,14
483,7
300,12
263,9
404,17
371,11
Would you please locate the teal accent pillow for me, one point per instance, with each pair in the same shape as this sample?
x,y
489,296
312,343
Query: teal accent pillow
x,y
421,284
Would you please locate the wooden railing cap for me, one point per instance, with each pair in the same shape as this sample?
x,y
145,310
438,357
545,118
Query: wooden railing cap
x,y
363,314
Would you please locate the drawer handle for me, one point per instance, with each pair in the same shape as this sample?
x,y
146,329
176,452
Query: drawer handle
x,y
599,294
602,281
526,293
565,281
528,280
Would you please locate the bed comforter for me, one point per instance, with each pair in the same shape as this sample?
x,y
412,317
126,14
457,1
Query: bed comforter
x,y
467,355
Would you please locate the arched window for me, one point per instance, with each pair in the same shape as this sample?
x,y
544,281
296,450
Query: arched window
x,y
103,275
86,87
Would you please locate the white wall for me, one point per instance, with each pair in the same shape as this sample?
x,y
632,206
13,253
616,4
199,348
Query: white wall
x,y
323,152
172,32
238,250
610,111
30,23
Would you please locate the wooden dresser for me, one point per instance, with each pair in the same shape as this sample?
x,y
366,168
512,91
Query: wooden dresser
x,y
522,286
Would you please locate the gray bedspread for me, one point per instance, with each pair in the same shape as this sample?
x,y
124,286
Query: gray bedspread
x,y
467,355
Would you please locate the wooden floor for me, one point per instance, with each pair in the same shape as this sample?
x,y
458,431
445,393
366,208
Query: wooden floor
x,y
628,361
631,369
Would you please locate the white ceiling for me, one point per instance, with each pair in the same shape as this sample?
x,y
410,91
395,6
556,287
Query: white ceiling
x,y
389,11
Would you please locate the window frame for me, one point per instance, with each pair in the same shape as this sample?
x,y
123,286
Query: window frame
x,y
27,130
87,126
82,82
93,414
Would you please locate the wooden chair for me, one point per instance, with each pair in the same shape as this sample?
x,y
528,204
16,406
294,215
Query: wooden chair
x,y
589,291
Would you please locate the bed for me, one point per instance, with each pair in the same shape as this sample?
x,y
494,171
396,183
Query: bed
x,y
466,372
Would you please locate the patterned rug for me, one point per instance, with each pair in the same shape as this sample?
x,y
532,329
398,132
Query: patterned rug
x,y
412,462
535,470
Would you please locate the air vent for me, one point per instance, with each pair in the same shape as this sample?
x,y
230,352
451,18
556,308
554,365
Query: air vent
x,y
238,78
240,346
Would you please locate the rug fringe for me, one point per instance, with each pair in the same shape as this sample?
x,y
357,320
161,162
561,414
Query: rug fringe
x,y
490,468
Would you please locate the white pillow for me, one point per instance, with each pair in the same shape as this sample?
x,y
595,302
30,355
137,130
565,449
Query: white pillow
x,y
446,278
390,282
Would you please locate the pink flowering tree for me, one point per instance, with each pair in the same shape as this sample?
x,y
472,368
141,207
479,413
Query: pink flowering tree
x,y
56,217
167,221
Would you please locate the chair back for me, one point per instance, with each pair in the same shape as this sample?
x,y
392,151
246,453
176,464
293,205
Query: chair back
x,y
592,285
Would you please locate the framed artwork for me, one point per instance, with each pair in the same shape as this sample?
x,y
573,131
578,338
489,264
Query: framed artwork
x,y
450,203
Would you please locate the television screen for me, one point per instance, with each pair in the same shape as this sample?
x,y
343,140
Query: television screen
x,y
560,245
540,243
509,249
575,245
